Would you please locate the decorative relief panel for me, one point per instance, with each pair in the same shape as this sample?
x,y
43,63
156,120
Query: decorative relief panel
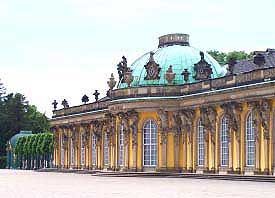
x,y
187,117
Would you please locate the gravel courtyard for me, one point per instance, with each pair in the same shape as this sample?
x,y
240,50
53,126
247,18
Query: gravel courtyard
x,y
29,184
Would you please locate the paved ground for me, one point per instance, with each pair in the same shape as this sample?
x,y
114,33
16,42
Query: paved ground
x,y
29,184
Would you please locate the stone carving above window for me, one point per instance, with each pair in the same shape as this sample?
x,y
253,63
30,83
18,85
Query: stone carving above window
x,y
97,129
202,69
208,119
261,116
187,117
134,126
86,133
152,69
124,121
232,111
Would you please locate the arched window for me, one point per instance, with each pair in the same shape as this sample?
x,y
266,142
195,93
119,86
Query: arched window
x,y
121,146
149,143
250,141
224,141
93,149
106,150
200,144
72,152
82,150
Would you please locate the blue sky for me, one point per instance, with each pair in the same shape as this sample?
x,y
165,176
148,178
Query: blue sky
x,y
58,49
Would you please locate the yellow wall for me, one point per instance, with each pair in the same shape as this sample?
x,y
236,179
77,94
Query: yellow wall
x,y
184,156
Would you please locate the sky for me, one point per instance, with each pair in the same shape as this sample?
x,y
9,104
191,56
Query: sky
x,y
58,49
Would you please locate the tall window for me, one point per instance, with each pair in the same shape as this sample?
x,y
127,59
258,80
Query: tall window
x,y
250,141
93,149
82,150
62,152
200,142
224,141
106,150
149,143
72,152
121,146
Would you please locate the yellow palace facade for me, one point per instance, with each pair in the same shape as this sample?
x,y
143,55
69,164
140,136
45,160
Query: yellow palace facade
x,y
175,109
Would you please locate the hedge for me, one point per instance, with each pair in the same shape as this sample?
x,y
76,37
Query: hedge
x,y
34,151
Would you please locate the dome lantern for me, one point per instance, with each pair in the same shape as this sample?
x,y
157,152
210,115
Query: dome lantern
x,y
174,39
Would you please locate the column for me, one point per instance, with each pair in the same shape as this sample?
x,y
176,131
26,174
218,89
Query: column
x,y
190,149
176,151
257,148
212,151
134,129
163,123
230,150
266,155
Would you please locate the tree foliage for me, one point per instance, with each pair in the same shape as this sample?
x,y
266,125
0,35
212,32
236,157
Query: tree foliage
x,y
222,58
34,151
17,114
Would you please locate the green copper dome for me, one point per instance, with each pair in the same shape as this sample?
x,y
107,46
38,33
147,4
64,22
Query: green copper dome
x,y
180,56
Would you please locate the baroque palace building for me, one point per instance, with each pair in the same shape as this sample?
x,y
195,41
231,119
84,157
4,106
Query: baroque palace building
x,y
175,109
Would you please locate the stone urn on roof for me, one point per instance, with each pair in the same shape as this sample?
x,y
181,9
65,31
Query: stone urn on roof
x,y
169,75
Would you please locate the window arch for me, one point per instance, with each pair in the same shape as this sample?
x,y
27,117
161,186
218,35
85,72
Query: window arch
x,y
121,146
106,150
149,143
200,144
224,150
250,140
93,150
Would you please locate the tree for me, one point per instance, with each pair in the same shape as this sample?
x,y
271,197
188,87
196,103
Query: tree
x,y
223,58
220,57
36,121
34,151
2,89
15,115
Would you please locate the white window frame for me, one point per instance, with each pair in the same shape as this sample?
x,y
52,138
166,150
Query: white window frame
x,y
224,149
249,141
200,144
149,144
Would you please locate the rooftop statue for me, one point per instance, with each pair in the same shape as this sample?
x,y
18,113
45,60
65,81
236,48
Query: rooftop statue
x,y
122,69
